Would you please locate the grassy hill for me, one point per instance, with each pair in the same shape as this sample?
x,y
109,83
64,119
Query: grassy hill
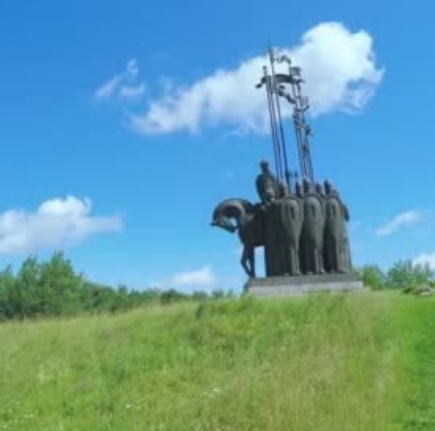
x,y
321,363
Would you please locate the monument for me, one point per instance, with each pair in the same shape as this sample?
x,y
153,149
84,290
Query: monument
x,y
302,225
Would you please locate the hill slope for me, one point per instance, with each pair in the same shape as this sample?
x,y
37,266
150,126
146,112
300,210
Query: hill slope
x,y
326,363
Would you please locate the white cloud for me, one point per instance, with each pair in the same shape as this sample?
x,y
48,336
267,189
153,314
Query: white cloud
x,y
132,92
406,218
56,223
107,90
202,278
425,258
123,86
338,65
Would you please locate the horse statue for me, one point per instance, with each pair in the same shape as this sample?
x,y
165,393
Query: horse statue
x,y
240,215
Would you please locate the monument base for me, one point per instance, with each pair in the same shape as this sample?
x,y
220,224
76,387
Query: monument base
x,y
303,284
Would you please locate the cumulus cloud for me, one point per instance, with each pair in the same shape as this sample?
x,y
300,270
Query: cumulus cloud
x,y
406,218
56,223
425,259
202,278
123,86
338,65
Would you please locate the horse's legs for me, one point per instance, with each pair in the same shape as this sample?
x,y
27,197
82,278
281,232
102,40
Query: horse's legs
x,y
248,258
244,260
252,261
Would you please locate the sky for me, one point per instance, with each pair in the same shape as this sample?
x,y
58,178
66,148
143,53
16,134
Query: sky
x,y
123,124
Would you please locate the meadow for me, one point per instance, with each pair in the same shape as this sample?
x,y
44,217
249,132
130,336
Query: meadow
x,y
361,362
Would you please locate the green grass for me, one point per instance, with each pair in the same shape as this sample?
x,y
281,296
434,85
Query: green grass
x,y
321,363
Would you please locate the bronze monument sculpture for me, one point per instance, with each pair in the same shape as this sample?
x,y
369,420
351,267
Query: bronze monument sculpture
x,y
302,226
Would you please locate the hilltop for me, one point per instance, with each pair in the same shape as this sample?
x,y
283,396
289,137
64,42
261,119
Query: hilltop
x,y
363,362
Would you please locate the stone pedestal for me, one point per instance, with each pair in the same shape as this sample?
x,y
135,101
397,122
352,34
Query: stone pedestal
x,y
303,284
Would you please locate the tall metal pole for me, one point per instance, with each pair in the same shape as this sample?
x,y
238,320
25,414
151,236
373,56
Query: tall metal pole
x,y
281,128
275,88
301,126
272,122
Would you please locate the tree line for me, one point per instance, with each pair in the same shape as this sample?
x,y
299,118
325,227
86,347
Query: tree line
x,y
54,288
404,275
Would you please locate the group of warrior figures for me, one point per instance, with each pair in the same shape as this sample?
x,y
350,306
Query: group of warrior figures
x,y
303,231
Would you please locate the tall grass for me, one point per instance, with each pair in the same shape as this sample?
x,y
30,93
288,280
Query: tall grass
x,y
321,363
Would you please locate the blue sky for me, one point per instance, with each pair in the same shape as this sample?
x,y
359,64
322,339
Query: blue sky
x,y
119,136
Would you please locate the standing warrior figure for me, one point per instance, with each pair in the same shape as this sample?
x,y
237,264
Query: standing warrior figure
x,y
319,190
285,218
311,244
299,192
337,250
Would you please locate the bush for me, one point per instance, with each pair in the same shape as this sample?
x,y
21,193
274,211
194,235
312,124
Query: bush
x,y
373,277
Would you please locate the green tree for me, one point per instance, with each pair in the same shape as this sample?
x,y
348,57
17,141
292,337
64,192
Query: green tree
x,y
60,288
7,289
407,275
373,277
26,297
171,295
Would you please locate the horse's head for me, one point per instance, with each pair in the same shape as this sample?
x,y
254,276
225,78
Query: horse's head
x,y
224,223
231,213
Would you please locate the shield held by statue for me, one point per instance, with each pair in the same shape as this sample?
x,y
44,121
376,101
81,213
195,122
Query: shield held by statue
x,y
336,241
311,242
284,221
